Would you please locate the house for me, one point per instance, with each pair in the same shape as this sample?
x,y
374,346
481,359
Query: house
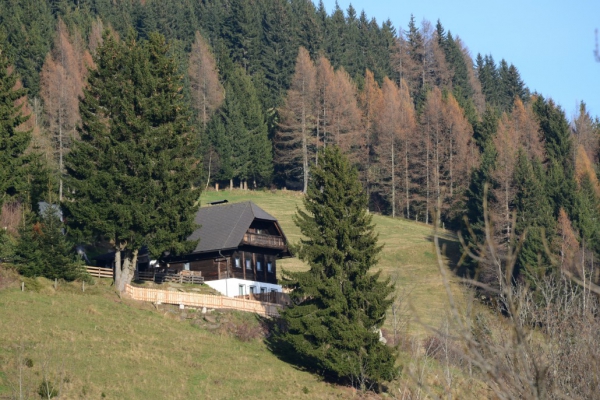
x,y
238,250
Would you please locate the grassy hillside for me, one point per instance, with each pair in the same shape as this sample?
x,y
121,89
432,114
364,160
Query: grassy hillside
x,y
408,255
97,345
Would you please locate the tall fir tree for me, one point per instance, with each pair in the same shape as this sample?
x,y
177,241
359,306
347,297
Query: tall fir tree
x,y
130,176
338,304
13,140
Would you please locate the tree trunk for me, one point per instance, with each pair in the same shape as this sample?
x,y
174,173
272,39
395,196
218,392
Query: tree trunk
x,y
393,179
125,263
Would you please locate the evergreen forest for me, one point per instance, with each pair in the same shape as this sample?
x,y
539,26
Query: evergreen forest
x,y
260,88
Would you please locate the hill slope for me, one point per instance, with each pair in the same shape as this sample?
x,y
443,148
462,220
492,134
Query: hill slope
x,y
408,254
96,345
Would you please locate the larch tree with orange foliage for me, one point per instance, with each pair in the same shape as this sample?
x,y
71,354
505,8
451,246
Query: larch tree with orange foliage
x,y
370,101
395,126
294,136
325,89
207,91
61,86
346,116
449,154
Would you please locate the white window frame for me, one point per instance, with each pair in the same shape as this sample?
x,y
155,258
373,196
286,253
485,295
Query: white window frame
x,y
249,263
258,265
237,262
270,266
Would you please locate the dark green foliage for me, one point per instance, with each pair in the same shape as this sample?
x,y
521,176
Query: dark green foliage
x,y
534,216
587,214
472,228
46,390
28,27
44,250
561,186
13,142
338,303
500,84
130,176
240,134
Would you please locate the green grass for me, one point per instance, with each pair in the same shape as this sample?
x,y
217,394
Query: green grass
x,y
408,254
97,345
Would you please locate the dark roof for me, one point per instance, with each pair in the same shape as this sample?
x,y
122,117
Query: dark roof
x,y
222,227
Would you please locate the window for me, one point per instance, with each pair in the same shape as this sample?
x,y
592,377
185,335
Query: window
x,y
274,290
258,265
248,263
263,290
252,289
237,263
259,231
269,266
241,290
186,266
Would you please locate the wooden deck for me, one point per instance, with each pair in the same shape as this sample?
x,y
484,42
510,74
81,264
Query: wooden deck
x,y
202,300
274,242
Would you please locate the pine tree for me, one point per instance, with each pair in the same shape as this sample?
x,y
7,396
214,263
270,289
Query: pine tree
x,y
534,216
13,140
338,304
130,176
44,250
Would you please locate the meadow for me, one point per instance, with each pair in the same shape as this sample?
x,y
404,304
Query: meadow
x,y
95,344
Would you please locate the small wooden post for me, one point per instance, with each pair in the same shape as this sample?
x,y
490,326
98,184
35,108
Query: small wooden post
x,y
83,286
22,286
55,283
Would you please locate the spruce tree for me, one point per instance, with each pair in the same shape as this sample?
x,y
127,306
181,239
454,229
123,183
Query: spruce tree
x,y
13,141
130,176
44,250
338,304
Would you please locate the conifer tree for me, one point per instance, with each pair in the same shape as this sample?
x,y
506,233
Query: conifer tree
x,y
130,176
13,141
338,304
44,250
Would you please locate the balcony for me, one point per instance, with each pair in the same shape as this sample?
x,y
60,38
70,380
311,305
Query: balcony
x,y
260,240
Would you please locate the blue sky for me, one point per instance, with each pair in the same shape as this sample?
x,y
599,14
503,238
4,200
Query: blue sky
x,y
550,42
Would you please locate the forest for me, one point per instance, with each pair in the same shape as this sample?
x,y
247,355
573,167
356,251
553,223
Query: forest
x,y
266,84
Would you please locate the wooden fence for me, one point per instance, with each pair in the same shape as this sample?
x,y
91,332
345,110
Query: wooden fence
x,y
160,277
203,300
269,297
98,272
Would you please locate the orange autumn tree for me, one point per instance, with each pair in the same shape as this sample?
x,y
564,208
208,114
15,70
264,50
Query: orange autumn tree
x,y
447,152
370,101
395,130
207,92
294,137
62,79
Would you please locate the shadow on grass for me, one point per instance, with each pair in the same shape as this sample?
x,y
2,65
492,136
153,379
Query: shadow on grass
x,y
452,251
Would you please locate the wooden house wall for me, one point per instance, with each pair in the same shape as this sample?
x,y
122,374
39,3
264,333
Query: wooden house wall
x,y
253,273
215,267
